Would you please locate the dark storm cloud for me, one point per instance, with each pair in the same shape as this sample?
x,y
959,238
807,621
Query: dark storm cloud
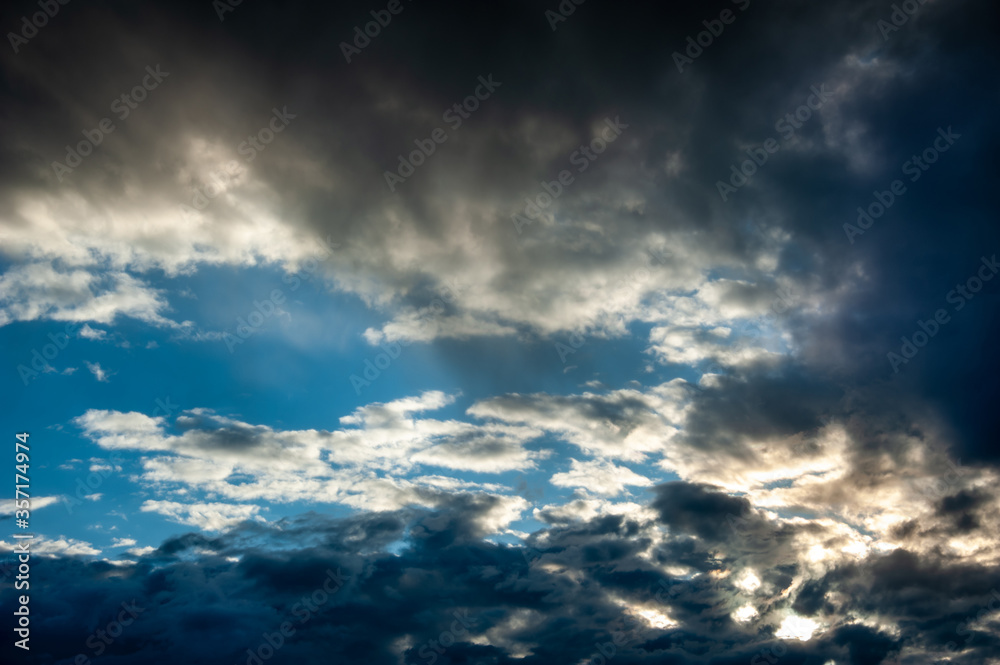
x,y
963,508
557,599
934,601
205,609
353,120
728,526
698,510
760,403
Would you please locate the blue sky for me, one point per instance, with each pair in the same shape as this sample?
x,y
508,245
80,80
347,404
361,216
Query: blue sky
x,y
293,372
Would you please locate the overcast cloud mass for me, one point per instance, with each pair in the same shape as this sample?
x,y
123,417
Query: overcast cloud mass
x,y
492,333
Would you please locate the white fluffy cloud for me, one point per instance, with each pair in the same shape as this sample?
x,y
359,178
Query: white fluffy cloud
x,y
39,291
366,464
207,516
626,424
599,477
54,547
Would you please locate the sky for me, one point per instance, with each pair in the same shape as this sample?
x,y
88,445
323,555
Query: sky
x,y
506,333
